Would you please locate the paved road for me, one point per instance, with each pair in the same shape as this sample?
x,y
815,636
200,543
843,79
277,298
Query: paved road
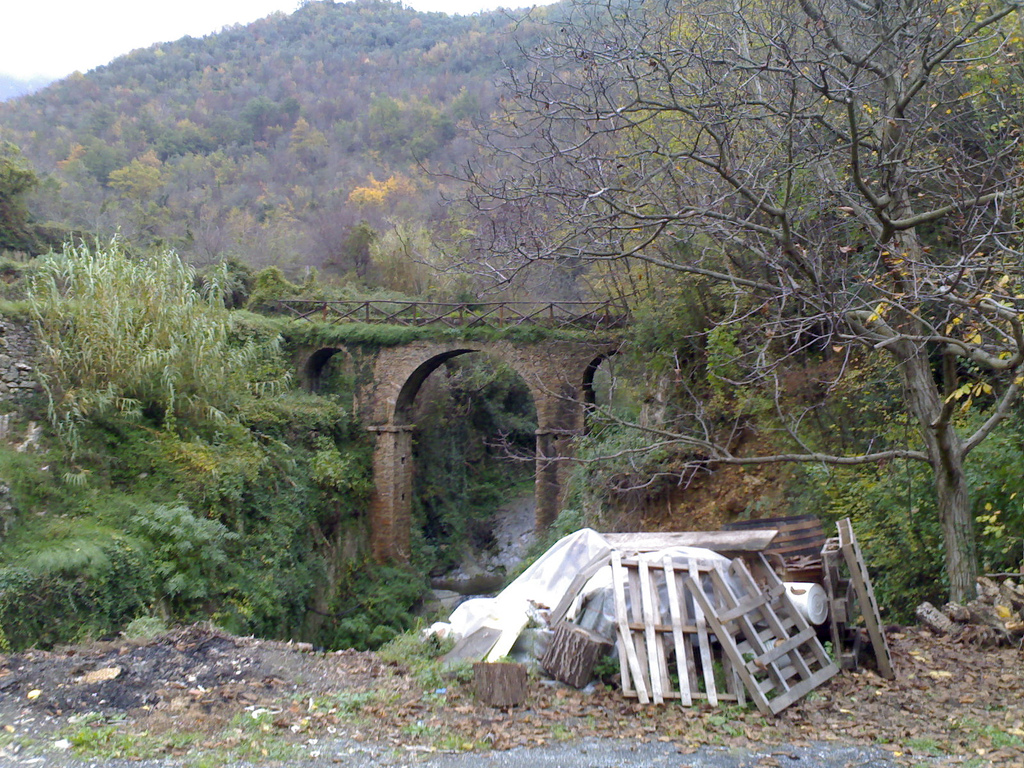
x,y
587,753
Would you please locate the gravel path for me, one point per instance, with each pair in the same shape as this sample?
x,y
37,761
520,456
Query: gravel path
x,y
586,753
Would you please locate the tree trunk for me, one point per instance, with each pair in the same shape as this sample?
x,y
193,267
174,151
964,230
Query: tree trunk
x,y
500,685
946,456
957,518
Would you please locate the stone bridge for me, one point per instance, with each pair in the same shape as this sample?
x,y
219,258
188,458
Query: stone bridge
x,y
559,375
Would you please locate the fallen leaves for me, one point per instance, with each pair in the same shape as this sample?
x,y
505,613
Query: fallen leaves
x,y
954,698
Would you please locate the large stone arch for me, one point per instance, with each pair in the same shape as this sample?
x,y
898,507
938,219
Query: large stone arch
x,y
556,373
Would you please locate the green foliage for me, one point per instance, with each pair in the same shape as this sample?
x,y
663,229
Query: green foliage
x,y
252,158
354,334
92,738
16,180
132,336
348,474
460,478
299,418
52,599
620,472
232,278
145,627
188,554
892,509
669,325
997,487
270,285
421,656
723,354
374,604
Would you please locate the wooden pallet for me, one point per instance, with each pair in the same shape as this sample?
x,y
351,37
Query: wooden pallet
x,y
773,649
665,649
851,598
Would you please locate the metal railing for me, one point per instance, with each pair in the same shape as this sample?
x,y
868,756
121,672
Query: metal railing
x,y
579,315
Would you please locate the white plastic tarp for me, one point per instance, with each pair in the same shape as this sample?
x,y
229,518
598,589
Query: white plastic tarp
x,y
538,589
543,585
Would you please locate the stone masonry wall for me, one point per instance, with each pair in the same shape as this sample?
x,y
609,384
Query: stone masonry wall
x,y
18,348
554,371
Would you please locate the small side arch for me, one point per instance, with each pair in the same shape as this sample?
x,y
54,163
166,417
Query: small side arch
x,y
313,370
589,374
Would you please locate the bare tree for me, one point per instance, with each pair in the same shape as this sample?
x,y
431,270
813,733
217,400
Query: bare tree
x,y
848,170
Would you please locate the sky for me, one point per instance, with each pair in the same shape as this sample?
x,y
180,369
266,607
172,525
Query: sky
x,y
53,38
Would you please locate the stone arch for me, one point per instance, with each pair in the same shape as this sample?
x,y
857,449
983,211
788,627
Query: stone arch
x,y
407,394
553,371
589,395
313,368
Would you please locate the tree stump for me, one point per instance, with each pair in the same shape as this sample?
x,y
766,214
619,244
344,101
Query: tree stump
x,y
572,654
500,685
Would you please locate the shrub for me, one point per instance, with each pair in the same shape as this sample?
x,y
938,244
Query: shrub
x,y
188,553
133,336
53,599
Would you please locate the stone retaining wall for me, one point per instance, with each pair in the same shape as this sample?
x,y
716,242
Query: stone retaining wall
x,y
18,347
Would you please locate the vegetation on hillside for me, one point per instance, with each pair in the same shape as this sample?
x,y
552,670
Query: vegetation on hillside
x,y
808,277
179,474
296,141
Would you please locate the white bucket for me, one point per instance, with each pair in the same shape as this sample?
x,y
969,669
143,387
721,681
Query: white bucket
x,y
810,599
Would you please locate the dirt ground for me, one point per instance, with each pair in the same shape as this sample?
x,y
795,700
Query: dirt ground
x,y
199,689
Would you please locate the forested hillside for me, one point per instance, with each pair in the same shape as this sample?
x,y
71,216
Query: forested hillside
x,y
269,142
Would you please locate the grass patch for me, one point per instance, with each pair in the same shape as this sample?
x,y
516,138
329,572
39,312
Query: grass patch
x,y
422,659
926,747
98,740
1001,739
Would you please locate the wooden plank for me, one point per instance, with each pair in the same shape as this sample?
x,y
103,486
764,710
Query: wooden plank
x,y
729,541
701,603
474,646
748,604
596,563
678,640
651,637
801,689
629,662
793,663
837,599
703,641
748,622
690,631
637,626
866,596
637,615
658,614
783,647
794,620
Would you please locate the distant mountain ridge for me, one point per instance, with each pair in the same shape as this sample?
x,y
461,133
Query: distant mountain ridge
x,y
272,141
11,87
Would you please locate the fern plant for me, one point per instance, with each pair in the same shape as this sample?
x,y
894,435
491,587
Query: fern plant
x,y
132,335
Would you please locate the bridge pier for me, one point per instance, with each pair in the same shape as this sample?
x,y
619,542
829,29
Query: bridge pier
x,y
391,502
